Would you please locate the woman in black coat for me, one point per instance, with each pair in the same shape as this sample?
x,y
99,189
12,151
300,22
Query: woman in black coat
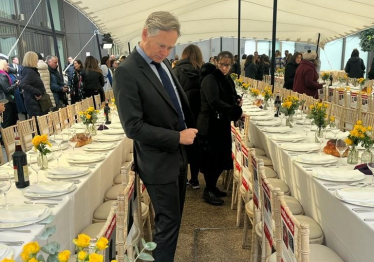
x,y
187,71
250,68
290,71
355,67
76,94
219,106
10,116
32,85
93,79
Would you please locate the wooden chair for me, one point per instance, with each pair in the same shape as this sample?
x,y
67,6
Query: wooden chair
x,y
91,101
349,118
71,114
78,108
54,117
97,102
45,125
111,94
8,134
27,130
85,104
64,118
300,249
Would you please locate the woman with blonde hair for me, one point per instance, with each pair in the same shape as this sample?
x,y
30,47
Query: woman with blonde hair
x,y
92,78
187,71
32,85
10,116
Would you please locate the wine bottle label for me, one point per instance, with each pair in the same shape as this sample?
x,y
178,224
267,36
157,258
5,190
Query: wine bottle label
x,y
26,173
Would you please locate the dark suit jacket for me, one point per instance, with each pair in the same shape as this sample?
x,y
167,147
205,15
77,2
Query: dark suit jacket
x,y
150,119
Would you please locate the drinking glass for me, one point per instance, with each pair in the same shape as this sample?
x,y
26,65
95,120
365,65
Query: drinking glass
x,y
71,142
371,167
282,116
35,165
57,153
307,125
4,188
335,130
341,146
321,138
58,138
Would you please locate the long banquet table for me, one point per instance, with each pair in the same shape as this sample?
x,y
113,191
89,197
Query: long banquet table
x,y
75,211
345,231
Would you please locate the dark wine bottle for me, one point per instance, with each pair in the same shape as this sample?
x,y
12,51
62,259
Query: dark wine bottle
x,y
330,78
277,105
21,171
107,113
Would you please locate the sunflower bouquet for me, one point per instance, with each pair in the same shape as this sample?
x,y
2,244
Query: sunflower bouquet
x,y
30,253
267,93
361,81
325,76
360,134
86,252
234,76
318,112
290,105
254,92
89,116
40,144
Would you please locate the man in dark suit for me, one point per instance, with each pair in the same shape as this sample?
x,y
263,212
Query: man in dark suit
x,y
154,112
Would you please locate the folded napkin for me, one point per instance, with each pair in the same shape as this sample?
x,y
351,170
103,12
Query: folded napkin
x,y
113,132
363,168
68,170
85,157
252,109
301,121
287,137
49,187
278,129
341,135
356,194
107,138
102,127
259,113
5,252
338,175
268,123
13,215
101,146
304,147
317,159
262,118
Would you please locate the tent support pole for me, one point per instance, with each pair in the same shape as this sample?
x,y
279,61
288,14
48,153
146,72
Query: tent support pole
x,y
54,37
274,40
98,45
319,35
239,20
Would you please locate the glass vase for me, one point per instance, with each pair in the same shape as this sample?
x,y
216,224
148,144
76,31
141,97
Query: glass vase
x,y
289,120
266,105
367,156
318,133
91,129
42,161
352,155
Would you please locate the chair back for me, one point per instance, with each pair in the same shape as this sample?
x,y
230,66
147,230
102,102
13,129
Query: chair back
x,y
85,104
27,130
111,94
97,102
56,122
78,108
64,118
349,118
71,114
45,124
8,134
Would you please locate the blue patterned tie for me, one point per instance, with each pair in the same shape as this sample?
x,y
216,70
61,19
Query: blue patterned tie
x,y
171,92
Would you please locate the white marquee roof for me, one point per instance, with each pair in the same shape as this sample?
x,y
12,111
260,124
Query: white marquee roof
x,y
298,20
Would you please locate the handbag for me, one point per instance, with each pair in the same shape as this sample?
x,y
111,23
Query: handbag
x,y
45,103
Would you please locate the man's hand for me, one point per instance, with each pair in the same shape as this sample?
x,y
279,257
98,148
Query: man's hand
x,y
187,136
65,89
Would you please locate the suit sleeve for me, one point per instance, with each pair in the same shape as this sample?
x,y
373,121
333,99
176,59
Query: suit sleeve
x,y
210,88
130,110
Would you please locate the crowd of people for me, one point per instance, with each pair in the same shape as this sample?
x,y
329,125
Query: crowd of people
x,y
25,85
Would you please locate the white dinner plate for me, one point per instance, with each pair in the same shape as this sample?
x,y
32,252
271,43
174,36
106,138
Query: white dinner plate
x,y
262,118
259,113
300,147
35,195
6,252
288,137
71,172
85,158
99,147
278,129
316,159
337,175
103,138
252,109
360,196
21,208
268,123
113,131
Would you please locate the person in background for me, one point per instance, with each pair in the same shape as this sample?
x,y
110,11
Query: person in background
x,y
285,58
306,77
70,70
154,111
266,66
115,65
211,60
278,60
242,62
122,58
250,67
256,58
76,87
92,78
7,92
236,66
220,105
187,72
15,64
45,76
371,71
290,70
260,69
176,60
32,85
107,73
355,67
59,89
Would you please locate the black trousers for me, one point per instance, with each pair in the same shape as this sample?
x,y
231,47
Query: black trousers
x,y
168,202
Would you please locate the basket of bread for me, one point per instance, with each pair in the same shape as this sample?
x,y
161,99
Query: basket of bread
x,y
330,149
81,140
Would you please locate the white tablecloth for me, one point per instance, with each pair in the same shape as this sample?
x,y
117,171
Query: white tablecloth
x,y
345,231
74,212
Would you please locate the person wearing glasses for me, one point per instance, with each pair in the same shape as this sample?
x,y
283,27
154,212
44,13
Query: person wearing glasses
x,y
220,105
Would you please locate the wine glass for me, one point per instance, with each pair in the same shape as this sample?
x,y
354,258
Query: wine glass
x,y
306,127
371,167
282,116
56,153
71,141
320,138
341,147
4,188
58,138
35,165
335,128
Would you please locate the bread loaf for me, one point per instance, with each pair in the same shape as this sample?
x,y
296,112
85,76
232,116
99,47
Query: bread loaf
x,y
330,149
81,140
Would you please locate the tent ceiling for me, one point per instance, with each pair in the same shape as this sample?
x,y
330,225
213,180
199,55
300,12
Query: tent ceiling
x,y
298,20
